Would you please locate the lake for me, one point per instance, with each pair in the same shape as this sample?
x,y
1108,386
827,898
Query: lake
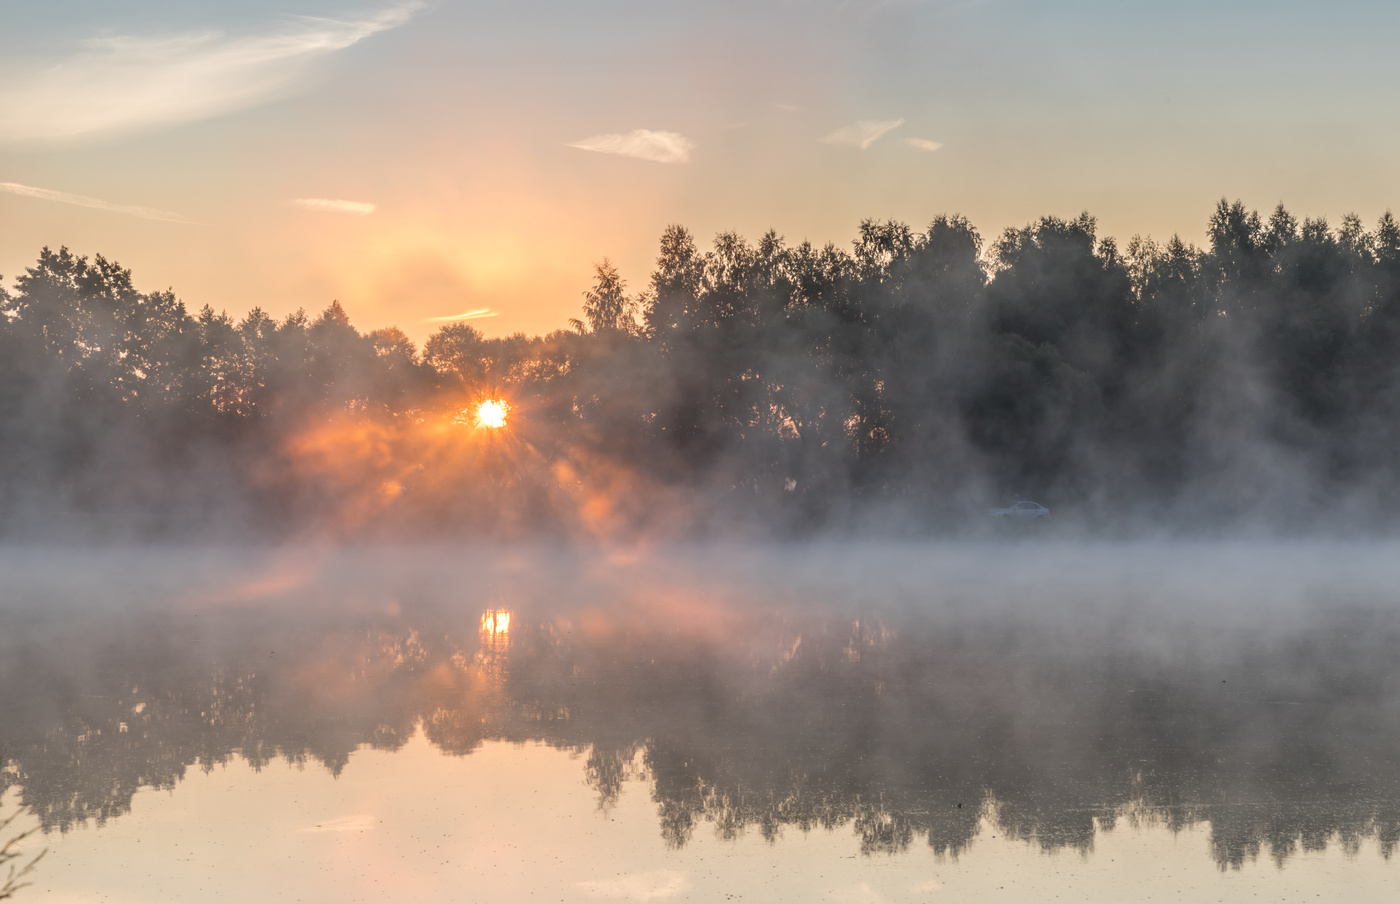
x,y
1015,721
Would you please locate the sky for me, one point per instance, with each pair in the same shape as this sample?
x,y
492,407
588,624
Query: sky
x,y
429,160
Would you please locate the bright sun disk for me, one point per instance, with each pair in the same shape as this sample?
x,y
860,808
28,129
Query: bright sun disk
x,y
492,413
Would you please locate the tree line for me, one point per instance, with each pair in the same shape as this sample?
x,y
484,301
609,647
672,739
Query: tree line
x,y
906,383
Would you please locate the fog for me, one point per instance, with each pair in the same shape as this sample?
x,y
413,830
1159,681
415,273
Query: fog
x,y
902,692
727,537
900,387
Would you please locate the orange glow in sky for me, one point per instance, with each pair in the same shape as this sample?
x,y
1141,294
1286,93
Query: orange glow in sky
x,y
285,155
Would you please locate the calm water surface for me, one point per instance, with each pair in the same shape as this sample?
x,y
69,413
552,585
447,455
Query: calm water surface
x,y
1017,722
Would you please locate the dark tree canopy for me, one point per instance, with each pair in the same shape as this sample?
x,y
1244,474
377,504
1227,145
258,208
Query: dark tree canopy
x,y
906,383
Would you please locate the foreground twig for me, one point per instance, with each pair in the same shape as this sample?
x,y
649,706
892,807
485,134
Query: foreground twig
x,y
8,853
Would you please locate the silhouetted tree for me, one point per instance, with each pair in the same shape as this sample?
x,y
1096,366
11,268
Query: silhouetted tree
x,y
606,306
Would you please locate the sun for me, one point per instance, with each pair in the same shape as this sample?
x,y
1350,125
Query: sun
x,y
492,413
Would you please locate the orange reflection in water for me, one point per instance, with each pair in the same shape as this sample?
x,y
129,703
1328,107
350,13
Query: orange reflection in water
x,y
495,625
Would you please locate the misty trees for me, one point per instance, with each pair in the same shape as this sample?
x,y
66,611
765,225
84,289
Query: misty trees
x,y
465,361
119,402
458,350
1296,305
228,370
1056,283
925,326
606,306
83,325
1378,381
95,371
702,322
782,381
1056,364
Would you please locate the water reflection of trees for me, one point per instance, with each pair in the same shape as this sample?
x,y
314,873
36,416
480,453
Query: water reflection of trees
x,y
911,733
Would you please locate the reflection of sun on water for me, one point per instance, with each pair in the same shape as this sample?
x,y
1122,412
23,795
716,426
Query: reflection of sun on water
x,y
495,633
492,413
495,622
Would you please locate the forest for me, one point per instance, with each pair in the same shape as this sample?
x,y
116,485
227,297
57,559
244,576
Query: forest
x,y
898,387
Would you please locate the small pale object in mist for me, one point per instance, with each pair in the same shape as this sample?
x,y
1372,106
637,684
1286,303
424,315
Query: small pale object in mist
x,y
1021,510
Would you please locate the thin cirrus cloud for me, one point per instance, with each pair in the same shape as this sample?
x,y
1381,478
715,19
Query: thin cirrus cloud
x,y
127,83
335,205
476,314
644,144
923,144
63,197
864,133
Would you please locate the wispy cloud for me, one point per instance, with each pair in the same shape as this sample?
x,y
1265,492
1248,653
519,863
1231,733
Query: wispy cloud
x,y
335,205
63,197
119,84
662,883
864,133
465,315
661,147
923,144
